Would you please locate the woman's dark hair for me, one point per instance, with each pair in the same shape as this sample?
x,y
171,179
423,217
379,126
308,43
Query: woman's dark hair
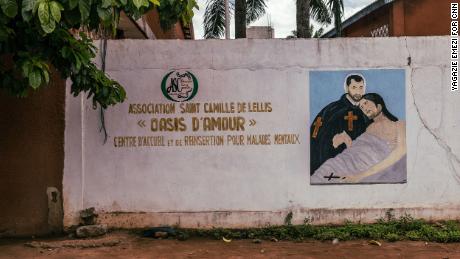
x,y
377,99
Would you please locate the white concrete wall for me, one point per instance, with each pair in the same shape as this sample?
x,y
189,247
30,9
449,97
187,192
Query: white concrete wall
x,y
234,186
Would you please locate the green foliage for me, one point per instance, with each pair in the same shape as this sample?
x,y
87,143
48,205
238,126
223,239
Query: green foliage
x,y
254,10
9,7
319,11
35,34
173,11
214,19
392,237
214,15
288,218
313,33
404,228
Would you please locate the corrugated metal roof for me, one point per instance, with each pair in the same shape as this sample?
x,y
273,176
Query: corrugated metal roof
x,y
363,12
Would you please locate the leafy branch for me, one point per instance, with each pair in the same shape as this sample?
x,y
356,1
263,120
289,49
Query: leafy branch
x,y
35,34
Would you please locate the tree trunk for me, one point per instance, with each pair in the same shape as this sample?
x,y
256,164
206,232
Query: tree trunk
x,y
240,18
303,18
338,24
227,20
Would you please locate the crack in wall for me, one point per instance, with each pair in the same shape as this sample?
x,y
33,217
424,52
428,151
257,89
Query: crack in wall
x,y
416,146
441,120
451,157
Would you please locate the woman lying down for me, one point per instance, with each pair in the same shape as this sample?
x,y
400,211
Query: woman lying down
x,y
377,156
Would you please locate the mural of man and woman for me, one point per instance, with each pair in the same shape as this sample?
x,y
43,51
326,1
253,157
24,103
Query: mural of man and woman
x,y
356,139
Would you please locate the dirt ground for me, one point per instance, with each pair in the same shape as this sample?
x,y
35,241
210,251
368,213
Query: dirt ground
x,y
127,245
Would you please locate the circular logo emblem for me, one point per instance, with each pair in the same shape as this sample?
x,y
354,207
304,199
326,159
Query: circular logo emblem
x,y
179,86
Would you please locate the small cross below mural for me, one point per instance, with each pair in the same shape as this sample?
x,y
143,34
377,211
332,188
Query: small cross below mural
x,y
331,176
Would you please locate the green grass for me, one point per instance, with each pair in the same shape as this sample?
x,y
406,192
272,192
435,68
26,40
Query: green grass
x,y
404,228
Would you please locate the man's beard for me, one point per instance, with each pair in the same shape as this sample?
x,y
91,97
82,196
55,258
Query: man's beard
x,y
356,97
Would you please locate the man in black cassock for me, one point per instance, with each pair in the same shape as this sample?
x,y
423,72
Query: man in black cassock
x,y
338,124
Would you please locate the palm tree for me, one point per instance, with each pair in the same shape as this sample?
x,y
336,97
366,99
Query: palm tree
x,y
303,18
240,18
336,8
317,33
314,33
321,11
214,19
214,16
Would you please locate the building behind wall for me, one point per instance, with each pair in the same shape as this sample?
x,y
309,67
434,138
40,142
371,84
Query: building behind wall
x,y
148,27
386,18
32,139
260,32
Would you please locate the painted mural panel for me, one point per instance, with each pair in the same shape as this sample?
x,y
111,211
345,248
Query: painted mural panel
x,y
357,126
